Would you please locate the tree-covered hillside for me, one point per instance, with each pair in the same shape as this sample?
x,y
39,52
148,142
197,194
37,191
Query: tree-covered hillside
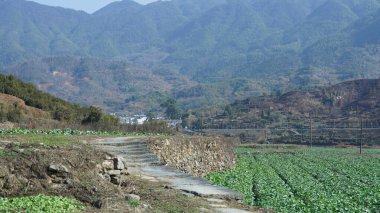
x,y
182,46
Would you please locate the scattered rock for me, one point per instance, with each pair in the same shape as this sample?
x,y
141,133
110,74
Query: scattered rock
x,y
94,189
107,177
56,186
108,165
98,204
115,180
118,164
125,162
133,197
68,182
58,169
114,172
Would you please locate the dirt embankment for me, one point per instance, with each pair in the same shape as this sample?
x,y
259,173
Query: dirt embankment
x,y
195,155
9,102
79,172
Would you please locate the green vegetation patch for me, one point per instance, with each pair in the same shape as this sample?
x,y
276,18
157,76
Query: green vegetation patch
x,y
49,140
306,180
134,203
58,137
40,203
8,154
68,132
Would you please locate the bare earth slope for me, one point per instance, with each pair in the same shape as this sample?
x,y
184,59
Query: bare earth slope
x,y
9,102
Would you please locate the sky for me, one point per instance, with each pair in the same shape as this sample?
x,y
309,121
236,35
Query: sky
x,y
89,6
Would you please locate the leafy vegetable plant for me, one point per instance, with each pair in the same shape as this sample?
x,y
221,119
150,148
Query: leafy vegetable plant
x,y
40,203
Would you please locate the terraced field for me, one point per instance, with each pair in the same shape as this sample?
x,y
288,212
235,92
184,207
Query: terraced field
x,y
306,180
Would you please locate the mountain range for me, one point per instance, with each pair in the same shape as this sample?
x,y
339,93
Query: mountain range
x,y
128,57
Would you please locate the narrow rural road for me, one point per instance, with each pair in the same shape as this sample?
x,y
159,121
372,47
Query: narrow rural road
x,y
143,163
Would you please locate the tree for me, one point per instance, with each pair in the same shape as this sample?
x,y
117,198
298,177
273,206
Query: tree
x,y
151,116
172,109
185,119
198,124
93,115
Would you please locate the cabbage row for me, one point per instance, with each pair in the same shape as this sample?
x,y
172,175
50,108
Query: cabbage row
x,y
316,180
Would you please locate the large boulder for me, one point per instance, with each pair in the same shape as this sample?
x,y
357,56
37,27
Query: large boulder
x,y
118,163
58,170
108,165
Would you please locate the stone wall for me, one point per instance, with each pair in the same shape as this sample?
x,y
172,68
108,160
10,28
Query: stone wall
x,y
195,154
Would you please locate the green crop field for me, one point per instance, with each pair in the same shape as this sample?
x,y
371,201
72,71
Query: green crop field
x,y
40,203
306,180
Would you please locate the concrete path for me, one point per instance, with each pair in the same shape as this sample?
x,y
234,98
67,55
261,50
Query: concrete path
x,y
140,161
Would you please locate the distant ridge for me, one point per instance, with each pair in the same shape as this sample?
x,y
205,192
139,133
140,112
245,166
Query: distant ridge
x,y
117,7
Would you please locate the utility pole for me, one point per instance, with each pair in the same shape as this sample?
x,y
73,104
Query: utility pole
x,y
266,134
201,125
311,132
361,134
333,132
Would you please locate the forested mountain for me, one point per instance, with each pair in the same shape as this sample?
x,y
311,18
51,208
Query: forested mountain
x,y
29,30
200,52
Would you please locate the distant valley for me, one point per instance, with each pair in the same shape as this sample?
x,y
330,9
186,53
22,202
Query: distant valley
x,y
129,57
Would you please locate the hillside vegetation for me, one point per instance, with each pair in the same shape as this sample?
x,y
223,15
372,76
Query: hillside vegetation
x,y
20,101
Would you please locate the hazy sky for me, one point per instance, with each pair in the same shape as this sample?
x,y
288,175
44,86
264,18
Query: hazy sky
x,y
86,5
